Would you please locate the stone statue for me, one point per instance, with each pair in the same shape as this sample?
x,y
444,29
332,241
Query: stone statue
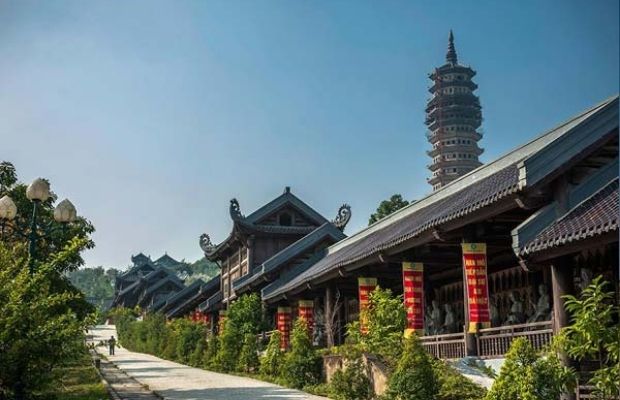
x,y
494,314
586,278
436,319
515,315
428,322
542,308
449,324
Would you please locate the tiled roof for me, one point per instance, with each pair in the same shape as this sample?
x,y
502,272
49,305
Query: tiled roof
x,y
595,216
211,302
484,186
302,245
205,291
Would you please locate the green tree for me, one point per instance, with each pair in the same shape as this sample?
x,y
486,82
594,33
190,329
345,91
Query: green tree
x,y
248,356
387,207
302,365
386,321
39,331
453,385
351,383
228,352
197,357
414,378
271,362
528,375
210,357
595,335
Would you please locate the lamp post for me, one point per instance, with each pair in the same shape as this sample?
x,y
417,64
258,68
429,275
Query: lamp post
x,y
37,192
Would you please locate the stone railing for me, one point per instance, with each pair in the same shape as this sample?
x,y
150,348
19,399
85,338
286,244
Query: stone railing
x,y
448,346
494,342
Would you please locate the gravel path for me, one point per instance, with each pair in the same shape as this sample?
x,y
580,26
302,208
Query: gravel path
x,y
177,381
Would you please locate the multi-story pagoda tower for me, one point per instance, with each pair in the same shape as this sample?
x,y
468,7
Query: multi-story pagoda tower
x,y
453,117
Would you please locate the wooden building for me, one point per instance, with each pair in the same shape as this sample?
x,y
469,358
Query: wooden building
x,y
543,218
281,237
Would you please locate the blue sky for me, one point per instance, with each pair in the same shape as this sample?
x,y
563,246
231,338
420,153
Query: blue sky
x,y
151,115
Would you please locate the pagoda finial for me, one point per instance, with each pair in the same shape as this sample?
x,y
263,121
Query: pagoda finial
x,y
451,55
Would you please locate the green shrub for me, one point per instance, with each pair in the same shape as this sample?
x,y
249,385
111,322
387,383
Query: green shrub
x,y
453,385
197,356
228,352
527,375
189,333
210,357
246,313
386,321
302,365
414,378
351,383
595,335
248,357
271,362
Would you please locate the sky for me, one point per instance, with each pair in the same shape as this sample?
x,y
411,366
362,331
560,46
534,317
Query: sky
x,y
151,115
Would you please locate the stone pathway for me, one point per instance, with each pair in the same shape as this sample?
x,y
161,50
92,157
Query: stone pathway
x,y
179,382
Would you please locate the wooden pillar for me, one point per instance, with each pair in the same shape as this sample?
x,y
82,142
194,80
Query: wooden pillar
x,y
562,284
329,317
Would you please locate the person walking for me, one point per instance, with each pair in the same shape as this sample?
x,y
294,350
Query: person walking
x,y
111,345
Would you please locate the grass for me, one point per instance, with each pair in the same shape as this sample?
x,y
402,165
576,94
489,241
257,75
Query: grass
x,y
80,381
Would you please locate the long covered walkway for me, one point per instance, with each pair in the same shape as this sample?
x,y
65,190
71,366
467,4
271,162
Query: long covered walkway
x,y
179,382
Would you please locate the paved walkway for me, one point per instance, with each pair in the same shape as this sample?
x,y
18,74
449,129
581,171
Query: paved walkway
x,y
179,382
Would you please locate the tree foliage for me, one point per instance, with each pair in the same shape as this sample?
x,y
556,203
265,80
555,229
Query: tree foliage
x,y
271,361
528,375
351,383
39,329
387,207
595,334
414,378
248,356
385,319
302,365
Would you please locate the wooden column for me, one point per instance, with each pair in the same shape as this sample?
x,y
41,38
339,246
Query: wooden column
x,y
562,284
329,318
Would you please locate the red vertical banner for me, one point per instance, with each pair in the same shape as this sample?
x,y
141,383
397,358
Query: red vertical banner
x,y
475,264
413,296
283,320
365,287
306,312
221,320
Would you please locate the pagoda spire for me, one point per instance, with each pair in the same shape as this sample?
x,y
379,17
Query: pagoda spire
x,y
451,55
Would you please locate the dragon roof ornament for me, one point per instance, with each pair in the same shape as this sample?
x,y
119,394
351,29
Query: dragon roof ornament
x,y
206,245
235,210
343,217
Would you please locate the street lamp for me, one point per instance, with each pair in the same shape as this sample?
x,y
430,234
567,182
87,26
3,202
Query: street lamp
x,y
37,192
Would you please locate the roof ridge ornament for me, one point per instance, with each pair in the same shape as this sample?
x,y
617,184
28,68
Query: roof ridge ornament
x,y
205,244
235,210
451,55
343,217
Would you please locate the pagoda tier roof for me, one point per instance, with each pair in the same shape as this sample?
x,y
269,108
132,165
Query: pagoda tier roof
x,y
433,123
592,212
278,260
488,190
450,69
251,224
453,83
450,102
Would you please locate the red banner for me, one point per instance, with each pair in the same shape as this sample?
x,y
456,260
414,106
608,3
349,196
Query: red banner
x,y
283,319
365,287
306,312
413,296
475,264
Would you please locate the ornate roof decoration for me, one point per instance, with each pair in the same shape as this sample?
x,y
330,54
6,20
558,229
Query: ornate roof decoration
x,y
343,217
205,244
235,210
